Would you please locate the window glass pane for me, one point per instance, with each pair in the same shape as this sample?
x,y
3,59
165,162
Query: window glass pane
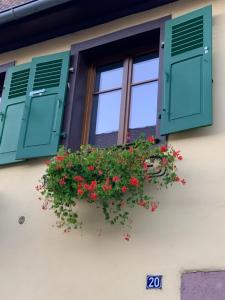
x,y
108,112
143,109
145,69
109,77
105,119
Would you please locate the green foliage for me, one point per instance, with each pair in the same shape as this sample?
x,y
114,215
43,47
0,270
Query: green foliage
x,y
113,179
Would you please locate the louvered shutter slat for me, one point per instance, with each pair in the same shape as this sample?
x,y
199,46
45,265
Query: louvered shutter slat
x,y
11,108
187,99
41,125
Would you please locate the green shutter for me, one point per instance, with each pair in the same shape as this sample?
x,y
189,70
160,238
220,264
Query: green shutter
x,y
41,124
187,99
11,111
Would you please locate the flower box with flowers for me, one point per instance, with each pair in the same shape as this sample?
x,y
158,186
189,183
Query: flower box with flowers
x,y
113,178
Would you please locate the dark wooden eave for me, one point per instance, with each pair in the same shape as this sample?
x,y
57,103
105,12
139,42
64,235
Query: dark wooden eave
x,y
66,18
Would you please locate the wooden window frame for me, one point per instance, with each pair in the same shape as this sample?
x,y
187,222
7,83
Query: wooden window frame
x,y
125,88
75,123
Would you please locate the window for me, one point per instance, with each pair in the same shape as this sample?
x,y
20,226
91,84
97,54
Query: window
x,y
124,101
120,85
154,78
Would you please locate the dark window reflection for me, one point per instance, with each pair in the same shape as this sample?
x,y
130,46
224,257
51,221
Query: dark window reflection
x,y
2,79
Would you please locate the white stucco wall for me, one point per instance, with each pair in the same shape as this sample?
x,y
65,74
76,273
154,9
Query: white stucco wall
x,y
38,261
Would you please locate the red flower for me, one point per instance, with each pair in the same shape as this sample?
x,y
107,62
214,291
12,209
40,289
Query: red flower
x,y
80,185
80,192
126,237
59,158
154,206
145,166
62,181
134,181
141,203
164,161
115,179
106,187
93,184
148,177
180,157
87,187
100,172
163,148
131,149
90,187
176,153
183,181
78,178
151,139
177,179
93,196
91,168
124,189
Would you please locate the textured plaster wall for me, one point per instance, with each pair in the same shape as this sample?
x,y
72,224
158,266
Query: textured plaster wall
x,y
187,233
203,285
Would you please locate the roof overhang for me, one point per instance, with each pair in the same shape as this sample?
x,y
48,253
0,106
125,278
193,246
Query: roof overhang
x,y
65,18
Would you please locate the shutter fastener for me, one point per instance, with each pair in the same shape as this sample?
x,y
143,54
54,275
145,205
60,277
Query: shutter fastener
x,y
162,45
63,135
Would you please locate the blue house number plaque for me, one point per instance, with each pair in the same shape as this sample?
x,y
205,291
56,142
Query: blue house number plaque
x,y
153,282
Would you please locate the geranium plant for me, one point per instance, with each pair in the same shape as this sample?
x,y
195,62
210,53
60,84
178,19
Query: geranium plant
x,y
113,179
